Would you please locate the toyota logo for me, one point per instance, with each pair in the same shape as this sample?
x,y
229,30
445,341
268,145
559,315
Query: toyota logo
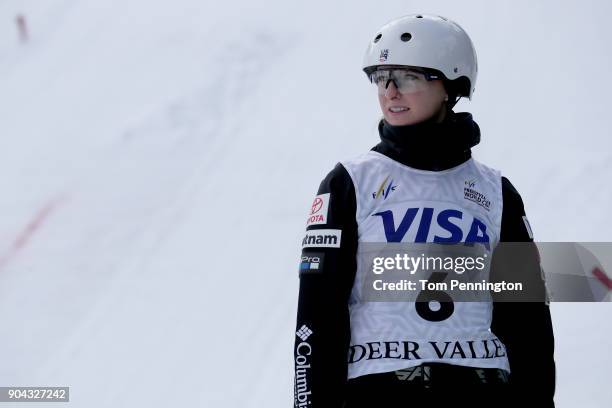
x,y
316,205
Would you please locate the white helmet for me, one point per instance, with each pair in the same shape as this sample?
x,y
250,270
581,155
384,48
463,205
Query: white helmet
x,y
428,41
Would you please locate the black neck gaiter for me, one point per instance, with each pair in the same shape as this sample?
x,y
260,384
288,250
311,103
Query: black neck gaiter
x,y
429,145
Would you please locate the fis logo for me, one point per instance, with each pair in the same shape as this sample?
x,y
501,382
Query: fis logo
x,y
470,183
449,220
384,54
384,189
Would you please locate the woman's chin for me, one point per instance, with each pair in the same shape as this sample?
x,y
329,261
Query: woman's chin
x,y
400,121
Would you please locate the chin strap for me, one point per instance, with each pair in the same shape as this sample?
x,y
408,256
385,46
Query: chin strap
x,y
451,104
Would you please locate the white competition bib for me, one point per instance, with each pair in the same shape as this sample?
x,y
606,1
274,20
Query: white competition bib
x,y
397,203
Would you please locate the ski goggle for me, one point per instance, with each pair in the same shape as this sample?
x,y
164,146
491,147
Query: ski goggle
x,y
406,80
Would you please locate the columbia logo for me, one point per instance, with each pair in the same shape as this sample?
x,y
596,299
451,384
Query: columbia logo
x,y
303,333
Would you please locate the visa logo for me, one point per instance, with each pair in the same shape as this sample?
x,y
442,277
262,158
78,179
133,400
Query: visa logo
x,y
477,232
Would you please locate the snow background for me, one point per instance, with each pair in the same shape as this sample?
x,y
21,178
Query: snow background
x,y
170,151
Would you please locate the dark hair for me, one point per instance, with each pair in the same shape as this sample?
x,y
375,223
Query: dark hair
x,y
456,89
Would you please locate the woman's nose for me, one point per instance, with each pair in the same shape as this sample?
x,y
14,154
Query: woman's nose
x,y
391,90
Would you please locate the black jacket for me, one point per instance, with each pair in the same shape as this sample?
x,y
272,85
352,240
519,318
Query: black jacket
x,y
322,318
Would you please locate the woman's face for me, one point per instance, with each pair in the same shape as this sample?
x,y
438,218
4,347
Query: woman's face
x,y
414,107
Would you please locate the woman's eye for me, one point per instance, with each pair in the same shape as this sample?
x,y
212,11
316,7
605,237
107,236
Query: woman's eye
x,y
381,80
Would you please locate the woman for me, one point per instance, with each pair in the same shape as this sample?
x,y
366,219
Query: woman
x,y
354,353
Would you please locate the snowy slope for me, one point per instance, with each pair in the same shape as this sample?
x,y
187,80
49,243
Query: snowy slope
x,y
158,159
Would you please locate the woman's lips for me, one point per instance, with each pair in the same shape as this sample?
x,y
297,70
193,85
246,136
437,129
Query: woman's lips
x,y
398,110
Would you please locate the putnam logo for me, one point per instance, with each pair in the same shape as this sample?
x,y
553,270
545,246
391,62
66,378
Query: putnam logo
x,y
322,238
384,189
318,210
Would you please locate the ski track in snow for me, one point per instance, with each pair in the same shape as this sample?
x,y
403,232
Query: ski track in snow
x,y
192,129
27,234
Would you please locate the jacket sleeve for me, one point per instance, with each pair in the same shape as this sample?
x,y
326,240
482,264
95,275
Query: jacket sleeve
x,y
327,270
525,327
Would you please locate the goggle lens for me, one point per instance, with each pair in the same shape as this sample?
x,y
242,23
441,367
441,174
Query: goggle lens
x,y
406,80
